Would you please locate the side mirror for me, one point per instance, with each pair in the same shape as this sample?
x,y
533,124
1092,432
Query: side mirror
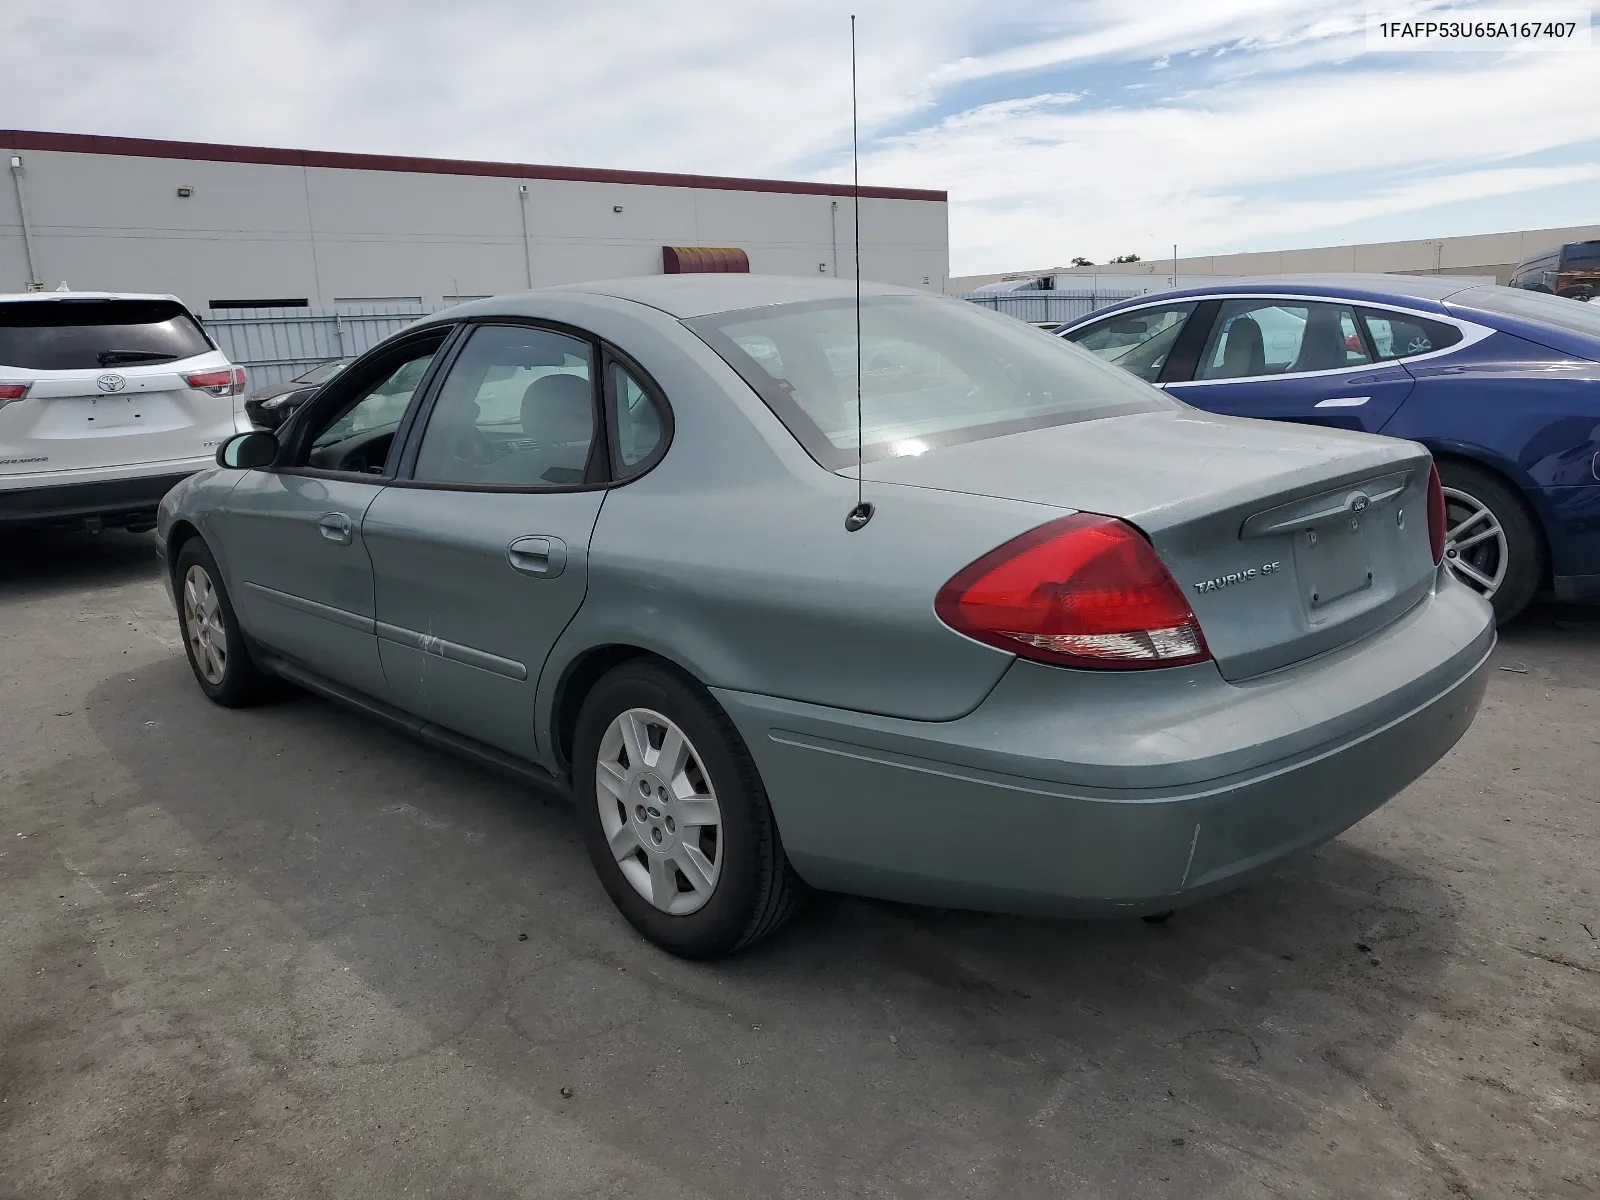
x,y
248,451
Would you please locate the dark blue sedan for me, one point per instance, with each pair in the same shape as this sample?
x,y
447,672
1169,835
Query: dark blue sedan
x,y
1502,385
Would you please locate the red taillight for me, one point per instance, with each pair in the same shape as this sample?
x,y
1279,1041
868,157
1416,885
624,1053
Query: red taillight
x,y
1436,521
12,391
229,382
1083,591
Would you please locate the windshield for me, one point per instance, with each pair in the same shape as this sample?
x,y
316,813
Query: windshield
x,y
1572,315
934,372
321,374
72,335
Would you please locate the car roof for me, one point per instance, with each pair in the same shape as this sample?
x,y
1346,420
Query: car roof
x,y
1419,291
12,297
697,295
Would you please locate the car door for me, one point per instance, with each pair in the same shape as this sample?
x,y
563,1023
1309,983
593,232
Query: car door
x,y
480,549
299,569
1294,359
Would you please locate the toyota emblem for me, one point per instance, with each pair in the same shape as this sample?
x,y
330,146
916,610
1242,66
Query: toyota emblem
x,y
1359,502
111,382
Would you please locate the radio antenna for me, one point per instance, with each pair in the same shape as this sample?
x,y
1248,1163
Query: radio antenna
x,y
862,512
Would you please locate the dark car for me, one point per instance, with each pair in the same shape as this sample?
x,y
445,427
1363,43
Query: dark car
x,y
1572,270
270,406
1503,385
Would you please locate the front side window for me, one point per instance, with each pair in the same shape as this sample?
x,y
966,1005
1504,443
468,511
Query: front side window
x,y
516,410
933,372
1139,341
1400,335
356,435
82,335
1271,337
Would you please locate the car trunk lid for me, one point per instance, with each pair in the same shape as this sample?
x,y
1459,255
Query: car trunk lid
x,y
1287,541
121,416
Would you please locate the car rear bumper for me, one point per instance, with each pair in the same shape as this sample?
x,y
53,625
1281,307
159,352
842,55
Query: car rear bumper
x,y
1048,798
73,502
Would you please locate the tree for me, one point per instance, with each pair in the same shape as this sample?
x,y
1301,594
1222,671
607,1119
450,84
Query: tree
x,y
1081,261
1125,258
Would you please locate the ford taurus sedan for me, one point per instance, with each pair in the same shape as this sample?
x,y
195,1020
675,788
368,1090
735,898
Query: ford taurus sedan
x,y
1502,385
952,613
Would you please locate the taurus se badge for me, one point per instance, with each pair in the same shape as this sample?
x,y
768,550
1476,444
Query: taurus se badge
x,y
1233,577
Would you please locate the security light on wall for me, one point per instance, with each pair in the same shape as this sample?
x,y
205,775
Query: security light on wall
x,y
616,208
185,192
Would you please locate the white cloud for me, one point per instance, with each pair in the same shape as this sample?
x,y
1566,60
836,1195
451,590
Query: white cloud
x,y
1252,165
1238,123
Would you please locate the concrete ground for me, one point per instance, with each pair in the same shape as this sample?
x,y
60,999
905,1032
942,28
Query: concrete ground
x,y
285,953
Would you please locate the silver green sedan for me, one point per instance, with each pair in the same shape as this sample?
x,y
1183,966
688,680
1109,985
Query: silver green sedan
x,y
1066,645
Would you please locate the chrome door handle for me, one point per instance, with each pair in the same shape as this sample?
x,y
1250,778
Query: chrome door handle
x,y
335,527
539,555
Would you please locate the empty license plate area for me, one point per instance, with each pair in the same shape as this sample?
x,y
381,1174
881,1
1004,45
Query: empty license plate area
x,y
1332,561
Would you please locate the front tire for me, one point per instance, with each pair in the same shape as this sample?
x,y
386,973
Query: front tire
x,y
212,638
675,816
1492,543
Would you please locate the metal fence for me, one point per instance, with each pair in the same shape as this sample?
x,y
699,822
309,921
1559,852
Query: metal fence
x,y
276,344
1054,307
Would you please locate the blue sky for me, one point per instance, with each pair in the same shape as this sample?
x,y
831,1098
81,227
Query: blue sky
x,y
1091,127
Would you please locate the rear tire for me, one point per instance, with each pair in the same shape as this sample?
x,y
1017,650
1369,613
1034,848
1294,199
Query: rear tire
x,y
212,638
675,816
1492,541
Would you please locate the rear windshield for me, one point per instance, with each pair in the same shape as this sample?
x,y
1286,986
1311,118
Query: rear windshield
x,y
934,372
1574,315
71,335
323,373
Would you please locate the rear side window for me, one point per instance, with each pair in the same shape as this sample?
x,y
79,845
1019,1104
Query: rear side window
x,y
636,419
933,372
79,335
1400,335
1255,337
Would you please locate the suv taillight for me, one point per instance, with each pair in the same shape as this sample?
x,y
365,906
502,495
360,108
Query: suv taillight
x,y
219,383
1082,591
10,392
1436,518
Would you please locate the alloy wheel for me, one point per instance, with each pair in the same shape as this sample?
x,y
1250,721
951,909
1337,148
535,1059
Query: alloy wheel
x,y
202,624
1475,547
659,811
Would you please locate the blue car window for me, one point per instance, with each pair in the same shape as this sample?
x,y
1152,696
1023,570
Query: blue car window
x,y
1137,341
1400,335
1259,336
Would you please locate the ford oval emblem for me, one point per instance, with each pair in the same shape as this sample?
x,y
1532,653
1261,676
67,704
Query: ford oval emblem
x,y
1359,502
111,382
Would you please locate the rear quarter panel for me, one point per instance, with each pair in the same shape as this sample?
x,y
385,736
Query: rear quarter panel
x,y
1531,414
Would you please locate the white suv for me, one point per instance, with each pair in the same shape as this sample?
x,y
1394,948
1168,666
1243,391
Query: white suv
x,y
106,402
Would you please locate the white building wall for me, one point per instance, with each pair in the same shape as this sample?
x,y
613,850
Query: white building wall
x,y
114,221
1489,254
